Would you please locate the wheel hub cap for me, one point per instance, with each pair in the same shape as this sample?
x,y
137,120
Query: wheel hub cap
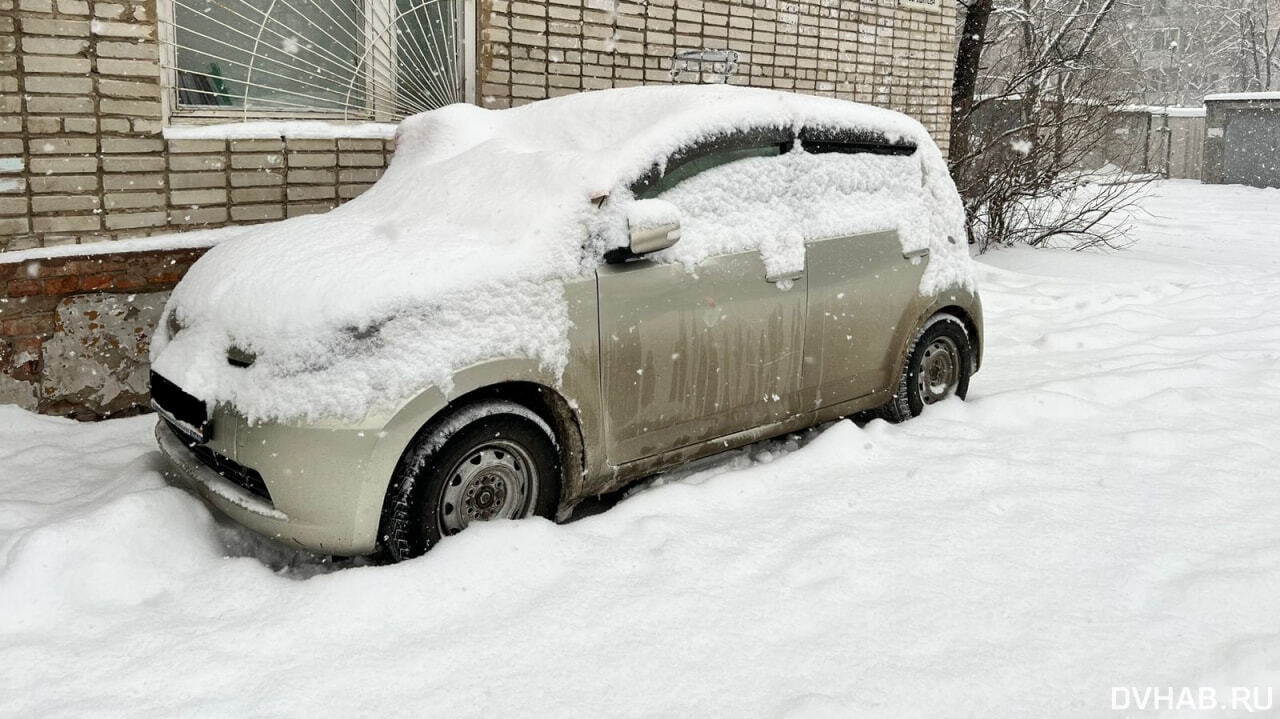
x,y
939,372
485,496
496,480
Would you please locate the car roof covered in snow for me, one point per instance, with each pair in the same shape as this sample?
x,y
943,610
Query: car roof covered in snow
x,y
507,193
620,133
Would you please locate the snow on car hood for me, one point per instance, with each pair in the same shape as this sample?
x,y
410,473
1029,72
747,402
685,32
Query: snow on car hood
x,y
458,253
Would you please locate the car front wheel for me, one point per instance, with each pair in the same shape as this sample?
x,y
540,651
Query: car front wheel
x,y
937,367
491,460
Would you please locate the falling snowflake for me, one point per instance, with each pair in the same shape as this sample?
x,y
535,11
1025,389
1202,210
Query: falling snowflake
x,y
1022,147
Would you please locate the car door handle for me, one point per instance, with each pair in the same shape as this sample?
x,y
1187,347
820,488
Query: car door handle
x,y
785,277
922,252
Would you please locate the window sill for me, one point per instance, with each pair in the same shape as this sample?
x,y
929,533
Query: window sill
x,y
227,128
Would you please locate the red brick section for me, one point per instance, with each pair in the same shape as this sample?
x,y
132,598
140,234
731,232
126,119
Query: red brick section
x,y
31,290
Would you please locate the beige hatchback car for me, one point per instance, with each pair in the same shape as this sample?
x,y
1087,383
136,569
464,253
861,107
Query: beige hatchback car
x,y
539,305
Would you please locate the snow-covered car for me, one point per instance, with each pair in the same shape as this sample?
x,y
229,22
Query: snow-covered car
x,y
538,305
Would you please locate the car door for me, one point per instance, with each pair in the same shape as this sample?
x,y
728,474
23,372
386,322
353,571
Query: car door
x,y
862,286
860,289
691,354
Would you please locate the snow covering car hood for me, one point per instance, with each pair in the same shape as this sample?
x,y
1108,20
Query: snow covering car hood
x,y
458,252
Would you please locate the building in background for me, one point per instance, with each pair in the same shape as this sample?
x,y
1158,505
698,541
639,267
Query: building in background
x,y
125,118
1174,52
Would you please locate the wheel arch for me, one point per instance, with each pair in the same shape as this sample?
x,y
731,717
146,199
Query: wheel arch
x,y
971,328
970,320
547,403
894,409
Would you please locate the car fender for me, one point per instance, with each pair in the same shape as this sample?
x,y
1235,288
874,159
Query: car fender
x,y
401,427
956,297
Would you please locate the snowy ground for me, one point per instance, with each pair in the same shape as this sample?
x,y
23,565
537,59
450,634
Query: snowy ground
x,y
1104,512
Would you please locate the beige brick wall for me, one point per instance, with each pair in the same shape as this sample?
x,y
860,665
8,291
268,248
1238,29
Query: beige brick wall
x,y
875,51
127,190
82,157
84,115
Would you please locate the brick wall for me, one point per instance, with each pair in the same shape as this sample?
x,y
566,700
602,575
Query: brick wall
x,y
214,182
82,152
86,98
75,331
184,184
885,52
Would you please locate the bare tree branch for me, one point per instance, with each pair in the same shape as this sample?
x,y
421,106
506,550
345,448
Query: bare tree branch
x,y
1032,124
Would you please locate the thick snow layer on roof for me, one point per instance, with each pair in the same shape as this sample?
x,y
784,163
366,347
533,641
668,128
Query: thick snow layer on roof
x,y
1169,110
1270,95
457,254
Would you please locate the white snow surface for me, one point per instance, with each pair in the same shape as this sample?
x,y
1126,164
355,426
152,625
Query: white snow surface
x,y
1170,110
457,254
1264,95
1103,512
172,241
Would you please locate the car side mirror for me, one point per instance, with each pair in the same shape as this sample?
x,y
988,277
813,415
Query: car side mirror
x,y
653,225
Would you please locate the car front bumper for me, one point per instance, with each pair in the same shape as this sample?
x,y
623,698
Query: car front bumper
x,y
315,503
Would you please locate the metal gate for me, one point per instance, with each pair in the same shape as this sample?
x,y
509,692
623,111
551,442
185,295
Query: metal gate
x,y
1251,155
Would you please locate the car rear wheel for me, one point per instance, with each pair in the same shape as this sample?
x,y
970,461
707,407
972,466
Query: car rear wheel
x,y
937,368
492,460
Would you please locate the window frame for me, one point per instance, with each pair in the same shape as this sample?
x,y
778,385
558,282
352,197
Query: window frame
x,y
378,14
701,149
815,140
719,157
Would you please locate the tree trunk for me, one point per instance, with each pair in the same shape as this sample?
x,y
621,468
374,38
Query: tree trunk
x,y
965,84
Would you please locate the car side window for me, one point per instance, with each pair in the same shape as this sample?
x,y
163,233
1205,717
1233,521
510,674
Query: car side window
x,y
702,163
710,153
764,191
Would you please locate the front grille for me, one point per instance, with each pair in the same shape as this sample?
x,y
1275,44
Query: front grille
x,y
181,407
228,469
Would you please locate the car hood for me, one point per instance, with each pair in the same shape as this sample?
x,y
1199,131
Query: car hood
x,y
357,308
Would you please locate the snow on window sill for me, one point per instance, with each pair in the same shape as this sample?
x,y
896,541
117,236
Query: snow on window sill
x,y
176,240
276,129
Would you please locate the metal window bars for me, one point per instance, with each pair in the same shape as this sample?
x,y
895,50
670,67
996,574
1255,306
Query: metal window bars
x,y
351,59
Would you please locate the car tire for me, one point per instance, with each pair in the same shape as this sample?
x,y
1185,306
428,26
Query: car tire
x,y
938,366
491,460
